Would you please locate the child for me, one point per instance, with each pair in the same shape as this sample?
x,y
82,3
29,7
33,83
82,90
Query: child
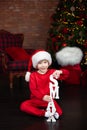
x,y
39,85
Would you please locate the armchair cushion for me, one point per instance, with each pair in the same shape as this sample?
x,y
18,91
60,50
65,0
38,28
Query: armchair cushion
x,y
17,53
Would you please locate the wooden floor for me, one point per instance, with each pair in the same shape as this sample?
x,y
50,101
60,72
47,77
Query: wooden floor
x,y
73,100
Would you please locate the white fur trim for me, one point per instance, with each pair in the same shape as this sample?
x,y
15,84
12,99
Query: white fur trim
x,y
69,56
27,76
41,55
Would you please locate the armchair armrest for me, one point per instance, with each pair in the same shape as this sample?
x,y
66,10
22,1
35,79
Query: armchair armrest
x,y
3,60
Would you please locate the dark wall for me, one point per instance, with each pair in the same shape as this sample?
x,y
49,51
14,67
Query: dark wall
x,y
30,17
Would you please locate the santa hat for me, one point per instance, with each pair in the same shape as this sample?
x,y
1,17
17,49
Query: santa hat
x,y
35,58
69,56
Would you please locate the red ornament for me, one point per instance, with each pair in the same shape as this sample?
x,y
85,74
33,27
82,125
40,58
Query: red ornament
x,y
85,45
65,30
56,47
54,39
80,22
64,44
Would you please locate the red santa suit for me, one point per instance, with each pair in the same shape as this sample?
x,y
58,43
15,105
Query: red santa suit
x,y
39,87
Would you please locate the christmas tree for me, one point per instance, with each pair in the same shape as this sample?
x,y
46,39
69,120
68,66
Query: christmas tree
x,y
68,26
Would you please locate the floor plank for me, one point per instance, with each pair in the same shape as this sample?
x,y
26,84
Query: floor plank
x,y
73,100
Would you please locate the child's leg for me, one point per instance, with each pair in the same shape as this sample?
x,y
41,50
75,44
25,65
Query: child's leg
x,y
34,107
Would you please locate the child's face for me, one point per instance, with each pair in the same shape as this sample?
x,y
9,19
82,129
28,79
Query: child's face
x,y
42,66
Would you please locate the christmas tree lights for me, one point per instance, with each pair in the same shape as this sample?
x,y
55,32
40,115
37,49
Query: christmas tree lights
x,y
68,26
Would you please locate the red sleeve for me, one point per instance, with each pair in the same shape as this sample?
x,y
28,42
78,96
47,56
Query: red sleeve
x,y
33,88
64,75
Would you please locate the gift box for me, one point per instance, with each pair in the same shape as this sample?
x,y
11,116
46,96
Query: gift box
x,y
74,74
84,78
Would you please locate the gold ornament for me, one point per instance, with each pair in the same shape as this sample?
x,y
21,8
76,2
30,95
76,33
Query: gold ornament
x,y
72,8
80,33
80,0
85,58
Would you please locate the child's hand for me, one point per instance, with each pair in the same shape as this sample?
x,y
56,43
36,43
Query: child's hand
x,y
57,73
47,98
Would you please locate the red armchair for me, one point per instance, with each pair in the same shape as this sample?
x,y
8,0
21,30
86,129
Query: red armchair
x,y
13,58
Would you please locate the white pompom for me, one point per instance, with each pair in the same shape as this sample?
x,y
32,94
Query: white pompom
x,y
69,56
27,76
